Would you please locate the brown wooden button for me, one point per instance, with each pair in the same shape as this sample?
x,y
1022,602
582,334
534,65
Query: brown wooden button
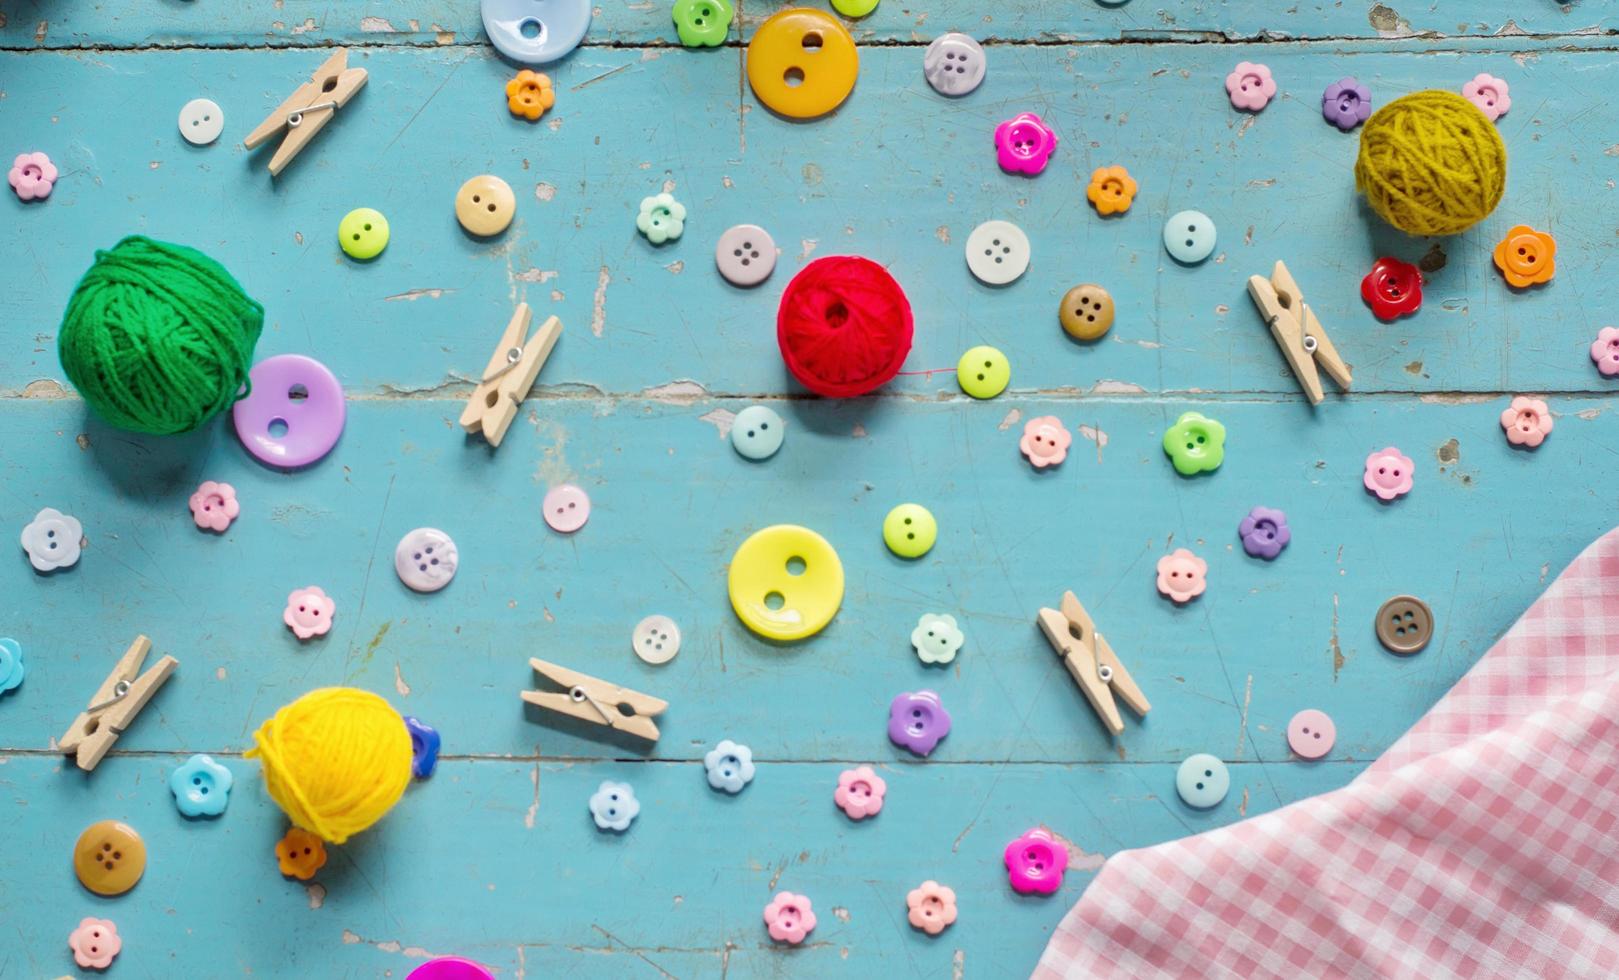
x,y
1086,312
485,205
1404,624
109,857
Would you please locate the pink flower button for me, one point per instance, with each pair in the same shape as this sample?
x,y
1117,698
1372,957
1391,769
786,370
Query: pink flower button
x,y
309,612
1489,94
32,176
1388,473
932,907
94,943
1605,350
214,506
1181,575
1250,86
860,792
789,917
1045,442
1035,862
1527,421
1024,143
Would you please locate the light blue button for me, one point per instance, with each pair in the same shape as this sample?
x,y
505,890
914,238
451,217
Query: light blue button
x,y
535,32
201,787
1202,781
729,765
757,432
1189,237
614,805
10,664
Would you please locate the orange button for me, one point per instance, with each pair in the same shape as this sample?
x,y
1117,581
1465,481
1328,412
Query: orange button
x,y
109,857
1086,312
485,205
1526,256
300,854
802,63
1111,190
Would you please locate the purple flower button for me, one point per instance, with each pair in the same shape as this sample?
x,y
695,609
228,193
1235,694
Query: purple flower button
x,y
917,721
1346,103
1264,532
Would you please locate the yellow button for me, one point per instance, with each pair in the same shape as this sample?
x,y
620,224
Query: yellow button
x,y
109,857
909,530
802,63
983,372
485,205
786,582
363,233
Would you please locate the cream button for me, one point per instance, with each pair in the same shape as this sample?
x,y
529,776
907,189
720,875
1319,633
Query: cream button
x,y
485,205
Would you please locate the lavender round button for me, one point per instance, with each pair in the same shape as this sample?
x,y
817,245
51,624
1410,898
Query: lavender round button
x,y
295,413
566,508
450,968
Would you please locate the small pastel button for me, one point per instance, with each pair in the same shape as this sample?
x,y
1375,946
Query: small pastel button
x,y
201,121
614,805
1264,532
299,854
1202,781
363,233
450,968
785,582
662,218
1024,144
757,432
1489,93
997,252
32,176
94,943
535,32
1388,474
1189,237
789,918
485,205
566,508
1182,576
931,907
729,765
656,639
426,559
1195,444
937,639
1346,103
424,746
1311,733
1605,351
52,539
1527,422
954,64
917,721
860,792
1045,442
11,665
745,255
309,612
214,506
109,857
702,23
294,414
201,787
1250,86
1035,863
909,530
983,372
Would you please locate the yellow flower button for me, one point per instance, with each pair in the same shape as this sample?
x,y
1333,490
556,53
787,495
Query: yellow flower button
x,y
909,530
802,63
983,372
786,582
363,233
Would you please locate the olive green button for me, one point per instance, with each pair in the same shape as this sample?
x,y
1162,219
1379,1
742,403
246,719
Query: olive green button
x,y
854,8
363,233
909,530
983,372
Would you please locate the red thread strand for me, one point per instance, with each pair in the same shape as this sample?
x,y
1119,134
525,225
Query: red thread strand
x,y
844,326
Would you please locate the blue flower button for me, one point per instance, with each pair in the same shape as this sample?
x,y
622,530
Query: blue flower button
x,y
10,664
614,805
1189,237
730,766
1202,781
424,743
201,787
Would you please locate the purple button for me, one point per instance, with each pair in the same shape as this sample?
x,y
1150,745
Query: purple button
x,y
295,413
566,508
450,968
1264,532
917,721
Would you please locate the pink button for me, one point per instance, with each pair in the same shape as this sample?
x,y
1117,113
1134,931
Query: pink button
x,y
1527,422
860,792
1045,442
1388,473
309,612
789,917
1605,350
1035,862
450,968
1310,734
1182,576
1489,94
94,943
566,508
294,413
1023,144
214,506
1250,86
32,176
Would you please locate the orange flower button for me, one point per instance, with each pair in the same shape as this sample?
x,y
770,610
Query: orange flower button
x,y
1526,256
530,94
1111,190
300,854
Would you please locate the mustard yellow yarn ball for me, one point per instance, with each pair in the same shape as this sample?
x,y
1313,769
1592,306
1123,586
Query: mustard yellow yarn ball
x,y
335,760
1431,163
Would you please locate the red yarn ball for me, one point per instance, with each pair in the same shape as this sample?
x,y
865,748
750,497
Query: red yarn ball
x,y
844,326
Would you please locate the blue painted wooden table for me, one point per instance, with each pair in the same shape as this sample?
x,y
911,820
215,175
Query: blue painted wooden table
x,y
496,857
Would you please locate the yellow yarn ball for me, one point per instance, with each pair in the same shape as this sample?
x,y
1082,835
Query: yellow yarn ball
x,y
1431,163
336,760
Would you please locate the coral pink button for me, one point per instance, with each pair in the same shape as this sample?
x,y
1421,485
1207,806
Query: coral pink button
x,y
1310,734
1024,144
1035,862
1527,422
1182,575
1250,86
931,907
1045,442
1605,350
94,943
860,792
214,506
1388,473
567,508
789,917
309,612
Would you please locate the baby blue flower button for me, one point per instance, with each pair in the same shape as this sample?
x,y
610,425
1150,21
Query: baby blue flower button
x,y
1202,781
424,743
614,805
10,664
1189,237
201,787
730,766
757,432
936,638
535,32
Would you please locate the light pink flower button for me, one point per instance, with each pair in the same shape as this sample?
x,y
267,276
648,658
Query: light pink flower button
x,y
309,612
860,792
1388,473
789,917
1181,575
214,506
1250,86
1045,442
94,943
1528,421
32,176
1489,94
932,906
1605,350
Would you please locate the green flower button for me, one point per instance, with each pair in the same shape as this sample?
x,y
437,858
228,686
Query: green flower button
x,y
703,23
662,218
363,233
909,530
1195,444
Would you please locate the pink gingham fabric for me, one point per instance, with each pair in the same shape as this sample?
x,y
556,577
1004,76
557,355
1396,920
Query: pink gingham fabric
x,y
1484,843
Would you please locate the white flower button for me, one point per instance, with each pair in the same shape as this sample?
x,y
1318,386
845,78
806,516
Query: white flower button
x,y
52,540
937,638
997,252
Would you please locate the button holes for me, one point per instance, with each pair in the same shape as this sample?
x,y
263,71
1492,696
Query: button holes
x,y
1208,773
812,41
910,535
491,207
1189,243
476,199
1199,785
908,520
367,227
793,77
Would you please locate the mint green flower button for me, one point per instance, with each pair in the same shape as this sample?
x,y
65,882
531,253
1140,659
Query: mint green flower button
x,y
1195,444
703,23
363,233
662,218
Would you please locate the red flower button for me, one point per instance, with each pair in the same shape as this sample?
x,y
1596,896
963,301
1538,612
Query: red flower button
x,y
1392,289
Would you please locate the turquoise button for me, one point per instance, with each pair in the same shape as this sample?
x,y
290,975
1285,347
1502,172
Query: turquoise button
x,y
11,667
1189,237
1202,781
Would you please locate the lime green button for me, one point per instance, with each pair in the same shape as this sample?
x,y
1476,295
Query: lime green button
x,y
909,530
1195,444
983,372
363,233
854,8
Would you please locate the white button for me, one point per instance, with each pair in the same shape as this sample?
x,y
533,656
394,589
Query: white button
x,y
757,432
1189,237
954,64
656,639
746,255
425,559
997,252
52,540
1202,781
201,121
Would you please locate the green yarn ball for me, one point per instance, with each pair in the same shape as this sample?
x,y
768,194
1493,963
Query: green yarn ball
x,y
158,338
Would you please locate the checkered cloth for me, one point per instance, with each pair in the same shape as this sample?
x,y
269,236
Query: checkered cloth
x,y
1484,843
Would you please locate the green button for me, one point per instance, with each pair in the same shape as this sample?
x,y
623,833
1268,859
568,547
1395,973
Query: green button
x,y
983,372
909,530
1195,444
363,233
854,8
703,23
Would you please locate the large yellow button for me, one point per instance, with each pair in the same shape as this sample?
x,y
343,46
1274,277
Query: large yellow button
x,y
109,857
786,582
485,205
802,63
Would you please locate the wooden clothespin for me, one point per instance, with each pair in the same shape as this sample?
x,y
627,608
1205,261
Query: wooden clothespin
x,y
1302,338
115,704
512,369
596,701
308,109
1095,667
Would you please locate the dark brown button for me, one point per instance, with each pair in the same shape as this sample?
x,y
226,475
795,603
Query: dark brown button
x,y
1404,624
1086,312
109,857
